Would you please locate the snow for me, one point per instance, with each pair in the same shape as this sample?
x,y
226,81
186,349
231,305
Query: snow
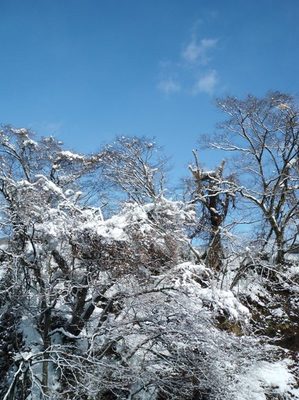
x,y
47,185
165,309
275,375
112,232
64,332
71,156
20,131
220,299
30,142
30,334
267,378
69,192
278,312
224,300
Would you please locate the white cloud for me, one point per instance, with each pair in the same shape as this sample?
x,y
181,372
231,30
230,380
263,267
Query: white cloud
x,y
206,83
169,86
193,72
196,51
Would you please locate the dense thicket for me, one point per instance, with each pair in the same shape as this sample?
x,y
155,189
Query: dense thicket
x,y
109,289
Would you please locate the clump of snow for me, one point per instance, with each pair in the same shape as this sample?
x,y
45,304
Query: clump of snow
x,y
224,300
71,156
30,142
264,379
219,299
47,185
112,231
275,375
293,271
278,312
20,131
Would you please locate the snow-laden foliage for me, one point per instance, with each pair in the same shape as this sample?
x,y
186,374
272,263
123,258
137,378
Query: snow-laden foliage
x,y
125,306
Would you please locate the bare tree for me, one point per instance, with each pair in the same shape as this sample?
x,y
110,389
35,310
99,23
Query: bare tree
x,y
264,133
136,167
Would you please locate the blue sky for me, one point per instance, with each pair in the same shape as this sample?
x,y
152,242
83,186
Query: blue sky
x,y
88,70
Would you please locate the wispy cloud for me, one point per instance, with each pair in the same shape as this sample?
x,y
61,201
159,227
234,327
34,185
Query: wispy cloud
x,y
206,83
197,51
192,72
169,86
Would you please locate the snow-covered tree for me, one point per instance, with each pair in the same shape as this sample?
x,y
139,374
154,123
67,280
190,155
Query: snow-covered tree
x,y
216,196
264,133
122,307
136,167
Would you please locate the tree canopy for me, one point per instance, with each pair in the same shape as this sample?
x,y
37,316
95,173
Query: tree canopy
x,y
112,287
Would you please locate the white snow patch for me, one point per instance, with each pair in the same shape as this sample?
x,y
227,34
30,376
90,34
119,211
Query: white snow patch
x,y
21,131
278,312
265,378
225,300
71,156
30,142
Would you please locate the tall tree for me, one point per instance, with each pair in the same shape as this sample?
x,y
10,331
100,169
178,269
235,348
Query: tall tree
x,y
264,133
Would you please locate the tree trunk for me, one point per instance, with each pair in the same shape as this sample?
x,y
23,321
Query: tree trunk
x,y
47,342
280,258
214,258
